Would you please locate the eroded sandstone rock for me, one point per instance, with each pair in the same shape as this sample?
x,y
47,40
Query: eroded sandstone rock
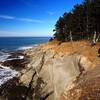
x,y
55,71
49,74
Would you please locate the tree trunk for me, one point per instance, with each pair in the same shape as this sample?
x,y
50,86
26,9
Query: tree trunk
x,y
71,38
95,38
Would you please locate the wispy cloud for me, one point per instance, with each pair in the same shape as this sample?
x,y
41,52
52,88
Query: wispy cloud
x,y
50,13
30,20
29,3
7,33
7,17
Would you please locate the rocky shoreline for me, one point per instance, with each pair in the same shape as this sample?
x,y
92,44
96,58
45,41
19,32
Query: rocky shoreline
x,y
49,75
11,64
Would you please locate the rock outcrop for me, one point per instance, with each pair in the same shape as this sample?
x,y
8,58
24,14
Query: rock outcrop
x,y
54,71
50,75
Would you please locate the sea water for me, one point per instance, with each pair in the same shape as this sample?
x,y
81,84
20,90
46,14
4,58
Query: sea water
x,y
11,44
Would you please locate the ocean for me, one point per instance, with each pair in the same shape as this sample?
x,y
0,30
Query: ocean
x,y
13,44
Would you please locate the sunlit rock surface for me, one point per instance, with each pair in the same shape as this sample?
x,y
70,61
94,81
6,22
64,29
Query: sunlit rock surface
x,y
54,75
55,70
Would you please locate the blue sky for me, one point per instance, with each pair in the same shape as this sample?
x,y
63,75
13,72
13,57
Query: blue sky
x,y
32,17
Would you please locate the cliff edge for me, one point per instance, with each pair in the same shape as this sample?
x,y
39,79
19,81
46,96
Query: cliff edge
x,y
67,71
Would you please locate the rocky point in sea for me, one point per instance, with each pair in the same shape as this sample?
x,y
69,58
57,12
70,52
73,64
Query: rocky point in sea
x,y
16,60
57,72
10,65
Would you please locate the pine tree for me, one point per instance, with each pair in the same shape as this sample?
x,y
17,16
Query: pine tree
x,y
81,23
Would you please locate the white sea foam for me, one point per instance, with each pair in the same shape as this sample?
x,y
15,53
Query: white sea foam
x,y
3,56
24,48
19,57
27,47
6,73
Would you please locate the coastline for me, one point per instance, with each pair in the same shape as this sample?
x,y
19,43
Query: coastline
x,y
47,72
11,62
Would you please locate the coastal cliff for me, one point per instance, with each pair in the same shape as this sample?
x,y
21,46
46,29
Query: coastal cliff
x,y
67,71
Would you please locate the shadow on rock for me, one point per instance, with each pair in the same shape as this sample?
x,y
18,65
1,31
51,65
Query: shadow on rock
x,y
12,90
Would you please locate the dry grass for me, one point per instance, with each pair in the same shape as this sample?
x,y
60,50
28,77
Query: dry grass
x,y
81,47
87,88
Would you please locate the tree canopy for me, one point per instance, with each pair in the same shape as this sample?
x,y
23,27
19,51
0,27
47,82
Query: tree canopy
x,y
82,22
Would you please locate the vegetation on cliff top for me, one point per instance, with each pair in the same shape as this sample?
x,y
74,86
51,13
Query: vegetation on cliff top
x,y
81,23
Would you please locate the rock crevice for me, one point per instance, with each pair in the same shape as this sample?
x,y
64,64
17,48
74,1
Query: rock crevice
x,y
55,72
48,74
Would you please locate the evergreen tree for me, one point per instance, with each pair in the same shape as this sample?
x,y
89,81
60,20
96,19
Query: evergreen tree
x,y
59,29
81,23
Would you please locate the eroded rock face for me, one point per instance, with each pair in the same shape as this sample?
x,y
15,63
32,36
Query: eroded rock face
x,y
49,73
87,87
46,76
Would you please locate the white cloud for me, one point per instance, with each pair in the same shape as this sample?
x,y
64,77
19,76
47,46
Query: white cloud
x,y
21,19
11,33
7,17
28,3
50,12
6,33
30,20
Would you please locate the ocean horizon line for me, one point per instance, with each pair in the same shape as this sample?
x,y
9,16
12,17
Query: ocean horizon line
x,y
25,36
